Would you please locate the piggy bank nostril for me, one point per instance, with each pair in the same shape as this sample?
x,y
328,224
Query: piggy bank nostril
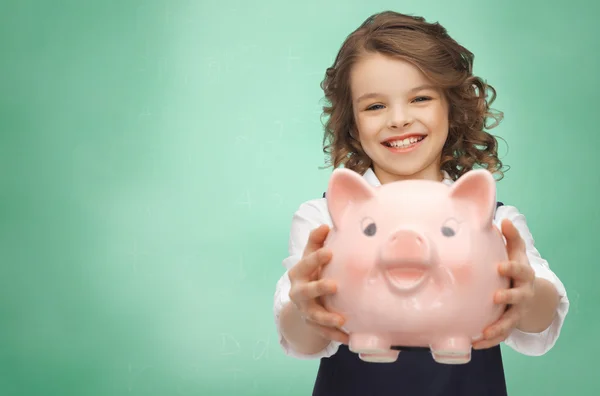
x,y
407,236
407,240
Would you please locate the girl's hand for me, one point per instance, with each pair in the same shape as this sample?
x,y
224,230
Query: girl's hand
x,y
307,288
518,297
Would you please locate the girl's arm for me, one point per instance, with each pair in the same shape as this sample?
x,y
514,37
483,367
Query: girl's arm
x,y
542,309
539,330
296,337
300,337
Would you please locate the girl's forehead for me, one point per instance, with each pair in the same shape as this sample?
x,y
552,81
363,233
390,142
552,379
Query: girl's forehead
x,y
385,74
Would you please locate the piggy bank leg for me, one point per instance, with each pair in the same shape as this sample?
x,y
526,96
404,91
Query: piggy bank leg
x,y
369,343
452,350
384,357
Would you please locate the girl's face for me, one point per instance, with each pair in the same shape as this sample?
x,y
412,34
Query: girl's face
x,y
402,120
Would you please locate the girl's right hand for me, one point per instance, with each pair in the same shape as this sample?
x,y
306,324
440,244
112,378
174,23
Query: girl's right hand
x,y
307,288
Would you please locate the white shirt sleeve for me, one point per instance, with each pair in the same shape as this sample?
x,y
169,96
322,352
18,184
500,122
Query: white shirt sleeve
x,y
308,217
535,344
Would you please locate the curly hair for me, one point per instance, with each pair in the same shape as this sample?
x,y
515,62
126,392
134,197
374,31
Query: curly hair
x,y
445,62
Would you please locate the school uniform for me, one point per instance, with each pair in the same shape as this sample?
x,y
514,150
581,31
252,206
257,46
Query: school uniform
x,y
341,372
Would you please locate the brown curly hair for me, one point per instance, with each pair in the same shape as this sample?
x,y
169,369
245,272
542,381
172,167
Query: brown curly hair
x,y
445,62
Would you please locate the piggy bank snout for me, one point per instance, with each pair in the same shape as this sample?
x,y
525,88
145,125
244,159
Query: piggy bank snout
x,y
406,246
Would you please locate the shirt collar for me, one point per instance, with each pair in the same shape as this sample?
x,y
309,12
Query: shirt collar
x,y
372,179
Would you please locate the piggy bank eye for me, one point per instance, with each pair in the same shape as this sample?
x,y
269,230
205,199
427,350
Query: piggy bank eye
x,y
447,231
450,228
368,226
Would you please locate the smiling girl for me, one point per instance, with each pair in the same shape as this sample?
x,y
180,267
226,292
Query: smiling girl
x,y
404,104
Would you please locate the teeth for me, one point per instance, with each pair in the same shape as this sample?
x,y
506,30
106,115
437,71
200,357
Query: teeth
x,y
404,143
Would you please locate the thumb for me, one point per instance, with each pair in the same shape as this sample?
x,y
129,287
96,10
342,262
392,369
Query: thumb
x,y
514,243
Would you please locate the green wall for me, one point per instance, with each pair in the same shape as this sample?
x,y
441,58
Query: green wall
x,y
152,154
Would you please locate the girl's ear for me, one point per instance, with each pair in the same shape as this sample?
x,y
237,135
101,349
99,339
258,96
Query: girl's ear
x,y
476,191
346,189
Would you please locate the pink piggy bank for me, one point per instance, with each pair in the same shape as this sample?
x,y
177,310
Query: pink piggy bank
x,y
415,263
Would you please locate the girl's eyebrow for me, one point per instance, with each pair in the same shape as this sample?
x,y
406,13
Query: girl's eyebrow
x,y
422,88
368,96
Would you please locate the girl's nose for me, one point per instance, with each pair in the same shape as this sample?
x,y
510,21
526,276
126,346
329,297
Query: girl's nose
x,y
399,118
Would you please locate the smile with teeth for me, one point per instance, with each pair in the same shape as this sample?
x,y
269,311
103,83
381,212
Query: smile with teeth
x,y
404,143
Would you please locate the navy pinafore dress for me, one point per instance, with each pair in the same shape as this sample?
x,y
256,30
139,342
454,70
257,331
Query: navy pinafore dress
x,y
414,373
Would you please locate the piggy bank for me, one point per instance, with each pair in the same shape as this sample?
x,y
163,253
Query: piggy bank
x,y
415,263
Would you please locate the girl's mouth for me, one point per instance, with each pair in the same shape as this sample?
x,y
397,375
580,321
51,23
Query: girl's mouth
x,y
403,145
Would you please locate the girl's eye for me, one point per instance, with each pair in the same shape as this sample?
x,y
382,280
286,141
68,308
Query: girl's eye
x,y
422,99
375,107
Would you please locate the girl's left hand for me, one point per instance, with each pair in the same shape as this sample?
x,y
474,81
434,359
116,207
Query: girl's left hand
x,y
522,276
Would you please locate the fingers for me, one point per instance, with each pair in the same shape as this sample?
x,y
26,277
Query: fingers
x,y
305,294
314,255
309,264
514,242
513,296
517,270
316,239
504,325
312,290
485,344
330,333
316,313
500,330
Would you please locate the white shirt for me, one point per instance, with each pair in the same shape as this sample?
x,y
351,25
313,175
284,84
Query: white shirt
x,y
313,213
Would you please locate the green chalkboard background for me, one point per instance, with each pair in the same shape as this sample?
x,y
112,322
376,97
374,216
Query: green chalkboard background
x,y
152,154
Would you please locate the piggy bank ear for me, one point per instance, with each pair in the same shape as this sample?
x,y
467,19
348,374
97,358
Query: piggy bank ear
x,y
346,189
476,190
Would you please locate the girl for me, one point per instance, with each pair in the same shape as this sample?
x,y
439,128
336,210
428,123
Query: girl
x,y
404,104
